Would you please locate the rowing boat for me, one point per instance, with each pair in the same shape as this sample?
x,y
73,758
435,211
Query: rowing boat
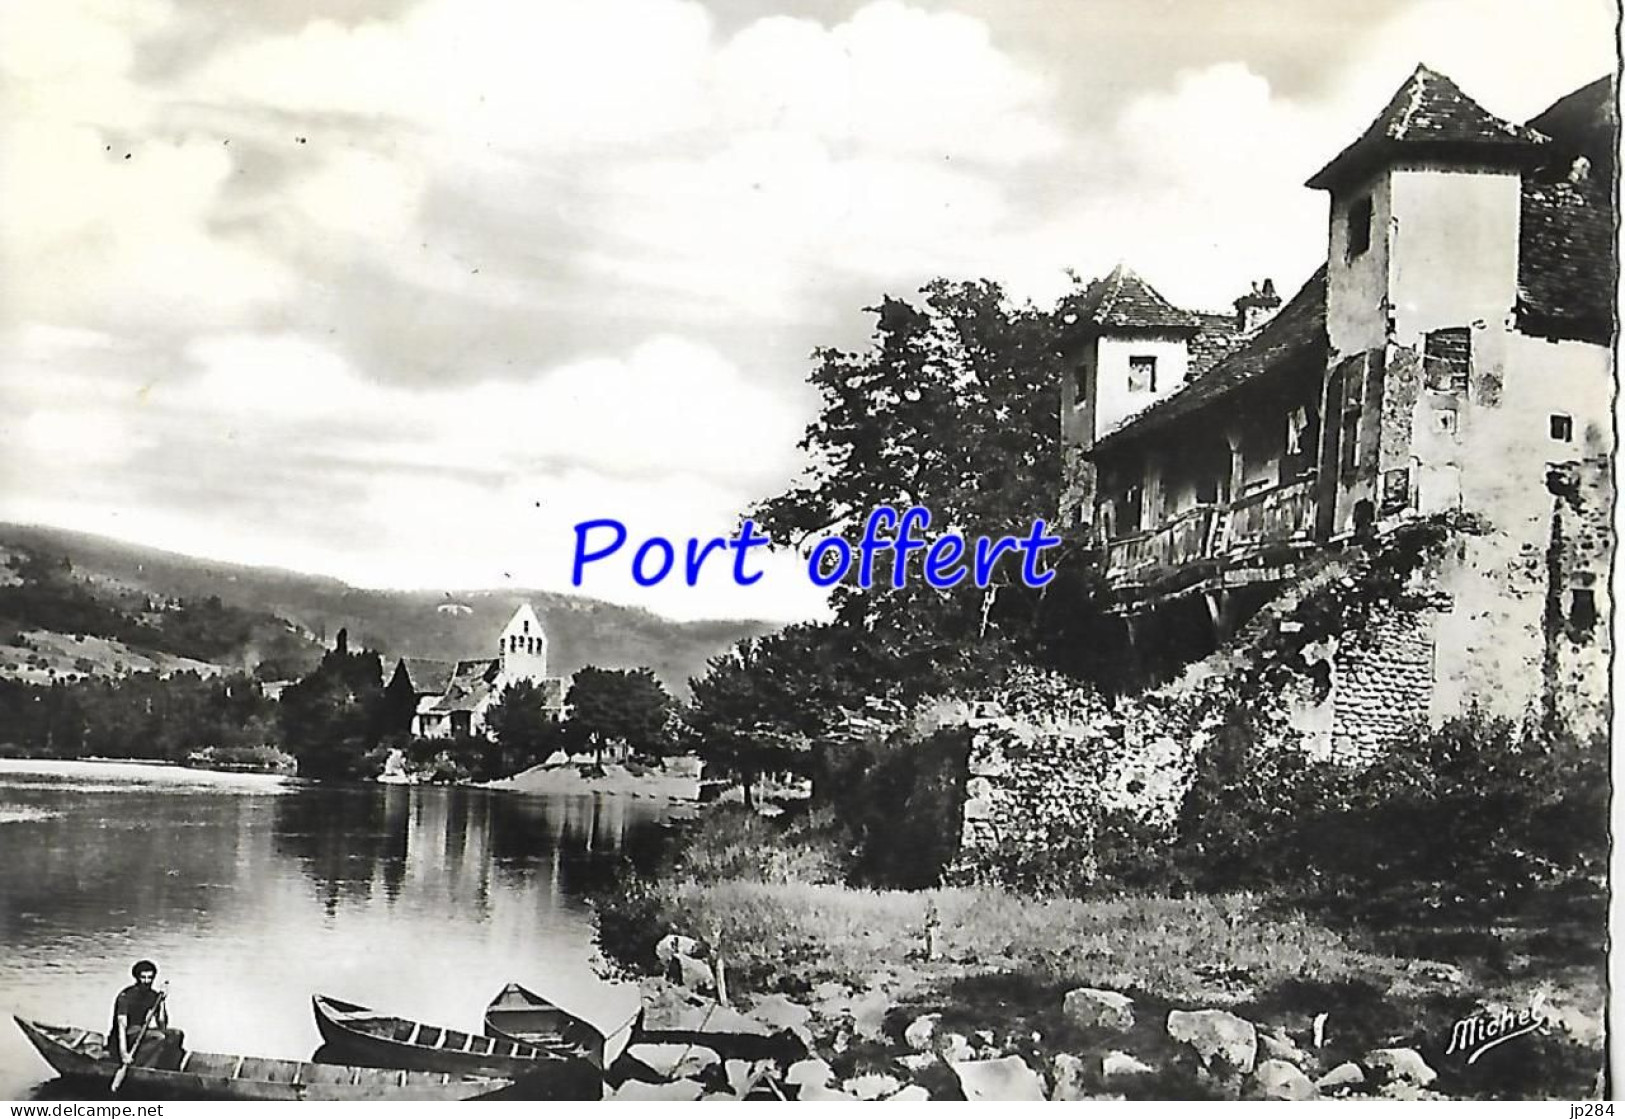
x,y
363,1035
521,1015
83,1055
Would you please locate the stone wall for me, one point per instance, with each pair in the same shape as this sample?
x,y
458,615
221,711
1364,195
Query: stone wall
x,y
1381,686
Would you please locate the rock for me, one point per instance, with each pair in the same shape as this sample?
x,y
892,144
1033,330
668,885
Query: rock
x,y
671,946
780,1013
673,1061
1216,1035
912,1094
742,1076
1069,1078
813,1093
920,1032
696,975
1282,1080
1278,1047
871,1086
1399,1066
984,1039
1409,1093
1006,1079
1436,971
1095,1009
1345,1076
1118,1065
954,1047
869,1015
917,1062
811,1071
671,1009
684,1090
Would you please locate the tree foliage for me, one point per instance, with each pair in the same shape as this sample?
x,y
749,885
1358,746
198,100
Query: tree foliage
x,y
611,706
336,716
524,730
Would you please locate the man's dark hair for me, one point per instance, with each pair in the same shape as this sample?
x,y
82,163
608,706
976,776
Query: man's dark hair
x,y
141,966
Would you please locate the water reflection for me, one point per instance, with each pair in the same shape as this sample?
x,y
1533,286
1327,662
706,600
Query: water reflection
x,y
422,901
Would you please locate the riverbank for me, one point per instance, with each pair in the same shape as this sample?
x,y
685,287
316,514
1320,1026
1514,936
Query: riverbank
x,y
677,783
1140,997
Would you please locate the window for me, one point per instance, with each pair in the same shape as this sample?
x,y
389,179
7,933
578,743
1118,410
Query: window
x,y
1562,427
1354,386
1444,421
1080,379
1351,443
1142,374
1359,227
1447,359
1582,611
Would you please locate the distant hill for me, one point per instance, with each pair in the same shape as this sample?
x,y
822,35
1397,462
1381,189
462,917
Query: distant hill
x,y
445,625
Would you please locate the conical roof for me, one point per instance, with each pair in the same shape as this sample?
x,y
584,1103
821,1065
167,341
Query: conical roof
x,y
1431,116
1124,301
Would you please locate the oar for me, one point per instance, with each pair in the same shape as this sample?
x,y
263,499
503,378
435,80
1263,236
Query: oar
x,y
124,1065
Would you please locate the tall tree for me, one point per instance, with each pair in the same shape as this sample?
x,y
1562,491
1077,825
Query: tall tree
x,y
333,717
621,706
525,731
760,706
955,406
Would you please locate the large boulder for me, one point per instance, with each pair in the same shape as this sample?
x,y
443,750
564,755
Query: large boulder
x,y
1006,1079
811,1071
694,974
1281,1080
919,1033
1344,1078
1118,1065
1070,1081
1218,1037
1277,1046
679,1090
1399,1066
1093,1008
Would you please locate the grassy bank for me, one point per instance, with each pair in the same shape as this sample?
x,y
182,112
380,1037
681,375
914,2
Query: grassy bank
x,y
1001,963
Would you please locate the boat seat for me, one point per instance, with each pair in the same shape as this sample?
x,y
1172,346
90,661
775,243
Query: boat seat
x,y
403,1030
482,1044
314,1073
455,1041
211,1064
430,1036
270,1069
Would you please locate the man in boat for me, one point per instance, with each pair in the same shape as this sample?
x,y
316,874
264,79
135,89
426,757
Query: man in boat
x,y
141,1033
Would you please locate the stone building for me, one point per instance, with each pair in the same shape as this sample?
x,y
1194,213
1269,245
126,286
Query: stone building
x,y
453,698
1454,352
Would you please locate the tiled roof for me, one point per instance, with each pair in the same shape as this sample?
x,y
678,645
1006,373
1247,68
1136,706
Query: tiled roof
x,y
1567,263
1294,338
1583,123
470,683
1217,336
427,675
1430,115
1123,301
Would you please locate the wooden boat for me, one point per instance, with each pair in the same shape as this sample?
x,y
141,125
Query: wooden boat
x,y
364,1036
517,1014
83,1055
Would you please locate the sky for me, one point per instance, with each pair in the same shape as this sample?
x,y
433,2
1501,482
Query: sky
x,y
400,291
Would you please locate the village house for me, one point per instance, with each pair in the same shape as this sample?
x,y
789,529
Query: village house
x,y
452,699
1454,352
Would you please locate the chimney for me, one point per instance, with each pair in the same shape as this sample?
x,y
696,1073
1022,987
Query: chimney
x,y
1257,307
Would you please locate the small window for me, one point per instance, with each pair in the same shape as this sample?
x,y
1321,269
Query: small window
x,y
1582,611
1444,421
1562,426
1080,380
1359,227
1142,374
1351,443
1354,386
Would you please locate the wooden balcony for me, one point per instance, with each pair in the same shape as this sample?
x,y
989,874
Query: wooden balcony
x,y
1215,533
1273,516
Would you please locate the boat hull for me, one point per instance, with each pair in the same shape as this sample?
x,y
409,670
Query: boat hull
x,y
521,1015
82,1055
358,1035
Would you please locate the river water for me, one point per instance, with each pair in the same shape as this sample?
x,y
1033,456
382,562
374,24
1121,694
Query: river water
x,y
252,893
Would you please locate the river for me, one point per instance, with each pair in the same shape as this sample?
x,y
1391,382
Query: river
x,y
252,893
